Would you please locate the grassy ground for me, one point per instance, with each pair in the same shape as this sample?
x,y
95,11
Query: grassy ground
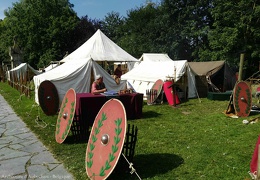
x,y
194,141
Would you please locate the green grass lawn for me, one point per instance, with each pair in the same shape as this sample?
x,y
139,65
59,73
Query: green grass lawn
x,y
194,141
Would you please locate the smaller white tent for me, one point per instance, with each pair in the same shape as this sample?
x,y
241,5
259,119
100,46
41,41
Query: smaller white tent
x,y
158,66
21,70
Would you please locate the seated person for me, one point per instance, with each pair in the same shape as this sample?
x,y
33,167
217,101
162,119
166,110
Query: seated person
x,y
98,86
118,71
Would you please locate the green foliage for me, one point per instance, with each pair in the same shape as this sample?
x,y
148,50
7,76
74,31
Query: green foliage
x,y
135,34
43,29
202,30
83,31
235,30
111,25
193,30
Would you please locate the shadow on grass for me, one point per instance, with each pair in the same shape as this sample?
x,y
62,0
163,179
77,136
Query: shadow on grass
x,y
70,139
150,114
149,166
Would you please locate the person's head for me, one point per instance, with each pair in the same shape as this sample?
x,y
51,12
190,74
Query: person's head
x,y
119,66
99,78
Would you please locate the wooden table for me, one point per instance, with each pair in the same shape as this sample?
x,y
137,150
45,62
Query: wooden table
x,y
88,106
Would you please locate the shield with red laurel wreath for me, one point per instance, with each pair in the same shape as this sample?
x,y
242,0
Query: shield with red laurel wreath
x,y
106,140
66,115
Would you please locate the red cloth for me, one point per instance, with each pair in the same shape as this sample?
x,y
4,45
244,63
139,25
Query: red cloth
x,y
88,105
253,164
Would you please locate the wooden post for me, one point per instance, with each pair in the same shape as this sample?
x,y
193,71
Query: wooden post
x,y
241,64
175,78
174,93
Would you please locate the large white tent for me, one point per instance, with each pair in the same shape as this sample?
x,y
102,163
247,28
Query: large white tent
x,y
158,66
76,75
79,67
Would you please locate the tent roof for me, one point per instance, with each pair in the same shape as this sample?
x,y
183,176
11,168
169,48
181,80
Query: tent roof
x,y
154,67
153,57
206,68
50,67
23,68
100,48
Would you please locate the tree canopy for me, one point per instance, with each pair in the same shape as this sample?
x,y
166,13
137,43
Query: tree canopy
x,y
201,30
236,29
46,30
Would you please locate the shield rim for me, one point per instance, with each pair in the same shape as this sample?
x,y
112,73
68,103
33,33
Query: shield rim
x,y
71,116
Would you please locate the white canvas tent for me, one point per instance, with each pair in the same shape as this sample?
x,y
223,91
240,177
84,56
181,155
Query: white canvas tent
x,y
22,70
158,66
76,75
79,67
52,65
100,48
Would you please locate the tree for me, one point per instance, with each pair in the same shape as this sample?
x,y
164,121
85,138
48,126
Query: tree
x,y
187,23
111,25
3,47
178,28
236,29
138,32
43,28
83,31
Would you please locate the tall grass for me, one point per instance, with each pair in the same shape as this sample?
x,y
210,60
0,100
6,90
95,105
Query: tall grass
x,y
196,140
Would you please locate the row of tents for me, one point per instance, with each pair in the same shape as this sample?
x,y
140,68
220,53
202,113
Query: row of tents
x,y
79,69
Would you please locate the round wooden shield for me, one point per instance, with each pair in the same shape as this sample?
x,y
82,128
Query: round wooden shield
x,y
242,99
106,140
48,98
158,86
66,115
155,91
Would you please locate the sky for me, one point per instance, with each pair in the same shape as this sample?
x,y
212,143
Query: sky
x,y
95,9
